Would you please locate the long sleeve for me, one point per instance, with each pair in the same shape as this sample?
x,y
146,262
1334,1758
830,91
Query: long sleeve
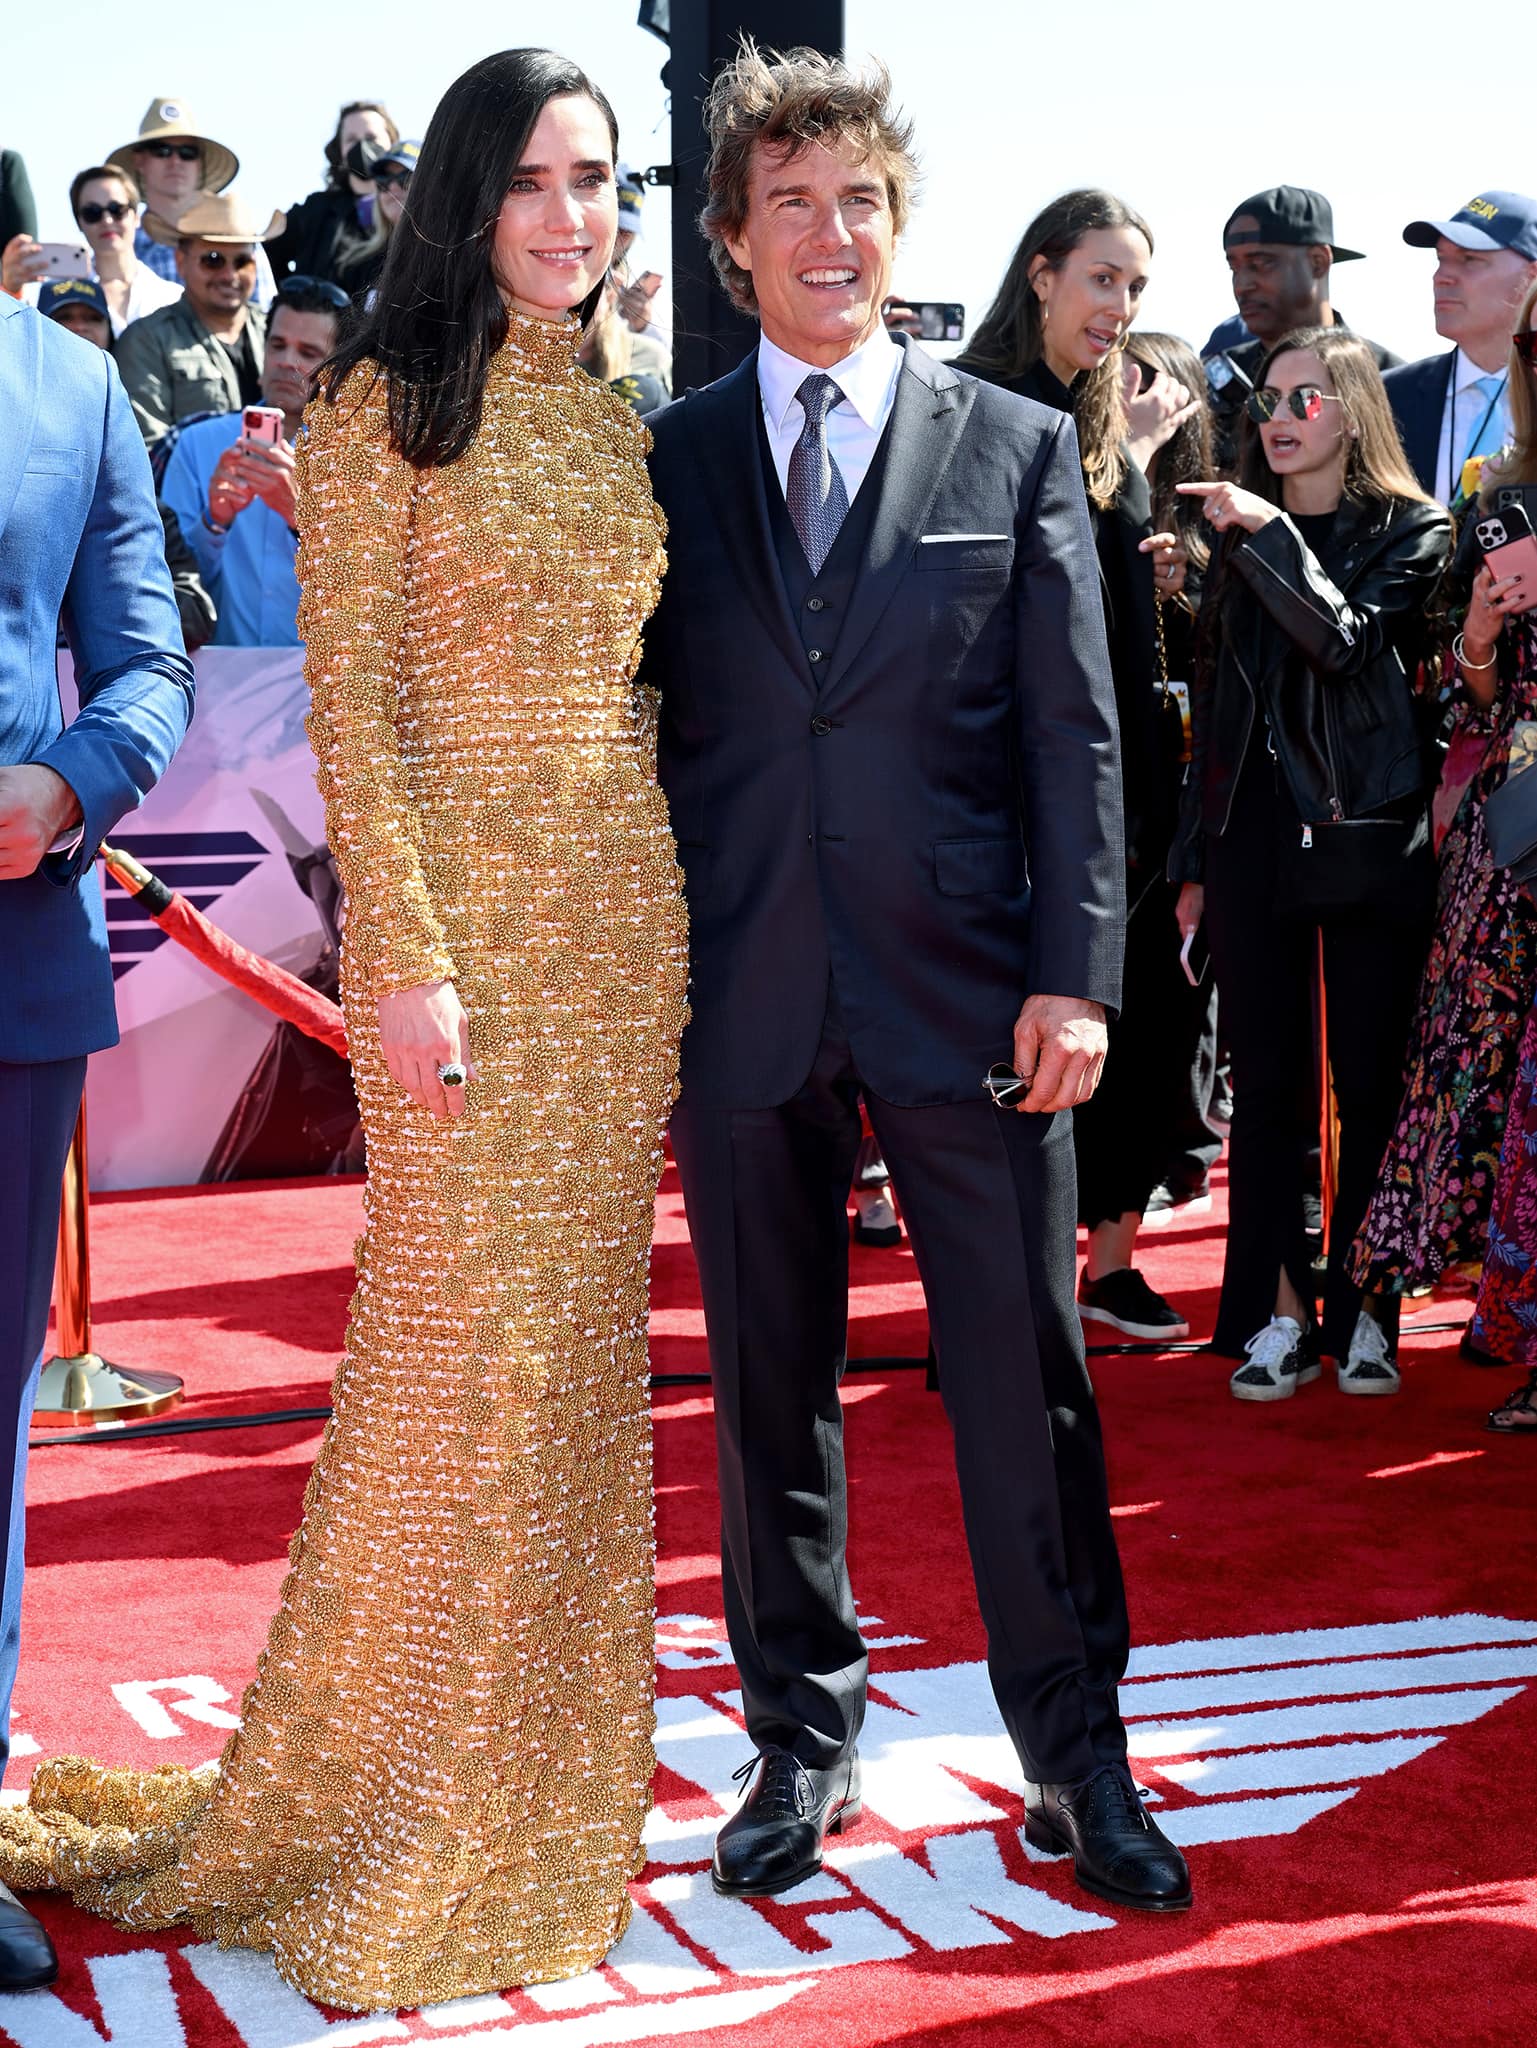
x,y
131,670
355,515
141,363
1069,747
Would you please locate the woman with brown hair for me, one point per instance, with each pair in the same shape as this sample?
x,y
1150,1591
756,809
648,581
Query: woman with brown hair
x,y
1056,334
327,232
1309,834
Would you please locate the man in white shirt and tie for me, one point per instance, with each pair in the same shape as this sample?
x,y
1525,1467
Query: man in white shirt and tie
x,y
1453,407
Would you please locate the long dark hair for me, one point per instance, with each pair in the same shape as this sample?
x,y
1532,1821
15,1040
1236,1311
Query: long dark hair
x,y
1010,340
1186,457
437,317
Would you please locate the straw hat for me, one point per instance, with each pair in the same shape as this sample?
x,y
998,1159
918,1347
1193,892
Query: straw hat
x,y
214,217
171,120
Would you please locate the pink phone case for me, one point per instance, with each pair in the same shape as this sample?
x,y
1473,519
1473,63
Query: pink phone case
x,y
1516,558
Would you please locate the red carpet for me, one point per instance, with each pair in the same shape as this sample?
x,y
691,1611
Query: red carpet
x,y
1332,1696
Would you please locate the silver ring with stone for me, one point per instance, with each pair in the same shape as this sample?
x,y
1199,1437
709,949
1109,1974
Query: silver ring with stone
x,y
452,1074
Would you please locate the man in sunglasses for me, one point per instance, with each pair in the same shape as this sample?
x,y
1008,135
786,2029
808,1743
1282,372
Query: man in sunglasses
x,y
234,495
1281,252
203,354
172,163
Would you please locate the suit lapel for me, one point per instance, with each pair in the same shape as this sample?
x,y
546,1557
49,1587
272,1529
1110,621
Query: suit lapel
x,y
21,392
723,423
927,420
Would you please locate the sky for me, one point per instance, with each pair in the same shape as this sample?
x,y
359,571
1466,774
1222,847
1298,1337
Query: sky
x,y
1183,115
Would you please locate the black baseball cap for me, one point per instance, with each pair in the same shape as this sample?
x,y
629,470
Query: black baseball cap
x,y
1491,220
72,291
1290,214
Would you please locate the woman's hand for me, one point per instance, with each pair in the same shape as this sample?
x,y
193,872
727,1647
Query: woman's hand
x,y
1154,415
420,1030
21,263
1190,908
1169,562
1226,505
1495,599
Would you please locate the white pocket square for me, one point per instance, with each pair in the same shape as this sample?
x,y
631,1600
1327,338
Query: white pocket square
x,y
934,540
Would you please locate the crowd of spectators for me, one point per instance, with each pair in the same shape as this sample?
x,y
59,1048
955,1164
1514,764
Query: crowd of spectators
x,y
1322,683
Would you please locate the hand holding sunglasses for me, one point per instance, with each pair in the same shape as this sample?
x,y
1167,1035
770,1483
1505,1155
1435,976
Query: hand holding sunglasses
x,y
1226,505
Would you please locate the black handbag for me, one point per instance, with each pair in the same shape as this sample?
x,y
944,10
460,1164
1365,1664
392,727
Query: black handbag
x,y
1383,865
1510,819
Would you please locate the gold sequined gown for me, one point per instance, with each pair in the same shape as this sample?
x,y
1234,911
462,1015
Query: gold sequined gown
x,y
443,1764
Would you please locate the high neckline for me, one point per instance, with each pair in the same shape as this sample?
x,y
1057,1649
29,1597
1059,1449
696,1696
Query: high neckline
x,y
541,350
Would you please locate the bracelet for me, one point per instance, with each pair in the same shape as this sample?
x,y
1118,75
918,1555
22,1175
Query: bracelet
x,y
1471,667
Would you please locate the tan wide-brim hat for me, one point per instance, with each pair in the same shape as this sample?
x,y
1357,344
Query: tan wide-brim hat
x,y
214,217
172,120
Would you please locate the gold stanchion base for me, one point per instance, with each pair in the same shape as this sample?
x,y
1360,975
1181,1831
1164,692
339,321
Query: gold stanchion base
x,y
85,1391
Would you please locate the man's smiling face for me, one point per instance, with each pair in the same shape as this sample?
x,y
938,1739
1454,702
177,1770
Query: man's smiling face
x,y
819,240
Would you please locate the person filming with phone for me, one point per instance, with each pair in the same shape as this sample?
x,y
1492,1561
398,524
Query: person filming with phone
x,y
230,480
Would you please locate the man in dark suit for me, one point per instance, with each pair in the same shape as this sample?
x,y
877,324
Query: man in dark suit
x,y
1455,406
81,541
888,742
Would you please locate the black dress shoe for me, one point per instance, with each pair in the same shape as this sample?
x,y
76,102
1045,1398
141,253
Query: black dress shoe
x,y
1118,1852
774,1839
27,1960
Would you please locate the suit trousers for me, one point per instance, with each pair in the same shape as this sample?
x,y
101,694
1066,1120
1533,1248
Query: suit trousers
x,y
39,1103
989,1200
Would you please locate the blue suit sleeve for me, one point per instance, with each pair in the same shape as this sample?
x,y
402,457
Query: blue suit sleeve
x,y
131,668
1069,742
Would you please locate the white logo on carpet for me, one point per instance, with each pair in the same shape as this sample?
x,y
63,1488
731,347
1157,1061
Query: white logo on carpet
x,y
1236,1738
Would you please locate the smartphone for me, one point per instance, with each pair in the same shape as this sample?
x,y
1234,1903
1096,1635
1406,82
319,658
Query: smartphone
x,y
1221,371
65,259
1195,957
263,423
939,319
1508,544
650,282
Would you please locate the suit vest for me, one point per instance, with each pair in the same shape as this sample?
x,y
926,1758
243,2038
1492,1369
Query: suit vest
x,y
820,604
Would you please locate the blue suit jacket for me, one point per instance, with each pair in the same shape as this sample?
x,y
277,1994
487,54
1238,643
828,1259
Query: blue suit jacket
x,y
932,813
1417,394
80,539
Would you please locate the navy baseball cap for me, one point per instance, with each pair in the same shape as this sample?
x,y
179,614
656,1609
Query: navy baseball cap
x,y
403,153
1492,220
72,291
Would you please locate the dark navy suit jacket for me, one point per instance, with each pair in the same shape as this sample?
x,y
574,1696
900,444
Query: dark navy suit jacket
x,y
931,813
1417,394
81,539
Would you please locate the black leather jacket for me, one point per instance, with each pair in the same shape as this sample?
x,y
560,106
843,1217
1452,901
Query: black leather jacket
x,y
1323,652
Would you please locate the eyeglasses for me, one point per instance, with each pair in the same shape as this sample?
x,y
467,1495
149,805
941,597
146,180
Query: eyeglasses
x,y
91,216
189,152
297,287
1006,1087
216,260
383,180
1525,346
1306,402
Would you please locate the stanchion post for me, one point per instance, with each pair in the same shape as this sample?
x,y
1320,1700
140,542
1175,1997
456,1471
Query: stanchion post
x,y
79,1389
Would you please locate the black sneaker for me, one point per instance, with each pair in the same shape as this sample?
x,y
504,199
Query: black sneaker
x,y
1124,1300
1281,1358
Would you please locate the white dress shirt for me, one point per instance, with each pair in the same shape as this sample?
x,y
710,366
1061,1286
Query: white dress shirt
x,y
868,381
1460,418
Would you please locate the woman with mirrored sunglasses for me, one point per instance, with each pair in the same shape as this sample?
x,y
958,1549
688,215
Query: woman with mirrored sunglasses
x,y
359,265
1306,847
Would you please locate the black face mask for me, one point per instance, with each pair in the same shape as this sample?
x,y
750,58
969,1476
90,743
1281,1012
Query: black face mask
x,y
362,155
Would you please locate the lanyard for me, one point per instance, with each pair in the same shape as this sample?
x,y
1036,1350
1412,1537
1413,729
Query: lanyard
x,y
1454,468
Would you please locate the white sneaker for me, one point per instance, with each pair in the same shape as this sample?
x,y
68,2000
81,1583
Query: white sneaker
x,y
1370,1368
1281,1358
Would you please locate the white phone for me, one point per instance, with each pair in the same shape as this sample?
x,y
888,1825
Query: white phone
x,y
263,423
65,259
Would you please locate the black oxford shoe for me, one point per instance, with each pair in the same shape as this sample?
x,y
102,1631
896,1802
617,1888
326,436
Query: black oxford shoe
x,y
27,1960
774,1839
1118,1852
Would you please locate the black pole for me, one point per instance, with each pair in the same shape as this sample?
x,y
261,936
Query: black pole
x,y
709,336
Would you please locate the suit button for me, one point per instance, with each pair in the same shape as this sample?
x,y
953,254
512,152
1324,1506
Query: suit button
x,y
814,654
816,604
821,727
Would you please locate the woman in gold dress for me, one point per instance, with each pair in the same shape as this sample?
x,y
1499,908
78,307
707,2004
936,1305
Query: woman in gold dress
x,y
443,1765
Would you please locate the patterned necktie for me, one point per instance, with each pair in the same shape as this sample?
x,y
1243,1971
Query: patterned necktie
x,y
814,490
1486,435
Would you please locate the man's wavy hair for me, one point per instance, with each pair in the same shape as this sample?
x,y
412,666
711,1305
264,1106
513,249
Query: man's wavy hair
x,y
787,100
